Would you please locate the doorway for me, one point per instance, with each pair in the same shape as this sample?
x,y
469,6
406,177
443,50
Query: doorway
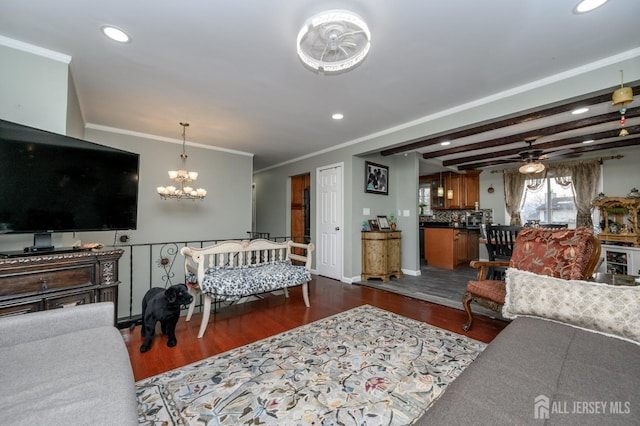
x,y
301,208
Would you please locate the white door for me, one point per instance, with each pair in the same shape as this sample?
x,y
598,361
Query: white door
x,y
329,222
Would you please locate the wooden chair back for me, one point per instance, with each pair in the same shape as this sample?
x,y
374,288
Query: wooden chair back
x,y
501,240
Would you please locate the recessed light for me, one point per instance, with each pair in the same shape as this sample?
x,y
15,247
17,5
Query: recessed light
x,y
337,116
589,141
588,5
115,34
579,111
445,143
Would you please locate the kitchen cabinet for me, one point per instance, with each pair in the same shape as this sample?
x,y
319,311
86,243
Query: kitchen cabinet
x,y
381,256
465,187
433,181
466,190
450,248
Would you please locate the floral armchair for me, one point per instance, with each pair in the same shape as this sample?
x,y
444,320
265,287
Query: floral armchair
x,y
571,254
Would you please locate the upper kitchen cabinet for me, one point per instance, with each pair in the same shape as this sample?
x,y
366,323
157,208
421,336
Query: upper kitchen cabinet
x,y
463,190
434,182
460,191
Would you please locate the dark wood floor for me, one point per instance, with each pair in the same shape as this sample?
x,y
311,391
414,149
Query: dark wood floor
x,y
241,324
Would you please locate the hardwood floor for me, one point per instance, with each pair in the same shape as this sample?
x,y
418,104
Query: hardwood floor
x,y
238,325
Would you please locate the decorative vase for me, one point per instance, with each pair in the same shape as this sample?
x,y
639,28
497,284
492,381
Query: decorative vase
x,y
393,226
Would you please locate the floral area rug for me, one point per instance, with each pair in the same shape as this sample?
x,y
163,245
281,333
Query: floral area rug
x,y
363,366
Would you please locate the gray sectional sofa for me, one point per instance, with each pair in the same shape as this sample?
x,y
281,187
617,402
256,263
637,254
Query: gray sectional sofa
x,y
571,356
65,367
544,364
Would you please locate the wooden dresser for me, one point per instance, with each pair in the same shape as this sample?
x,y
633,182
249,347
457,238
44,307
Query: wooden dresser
x,y
48,281
381,256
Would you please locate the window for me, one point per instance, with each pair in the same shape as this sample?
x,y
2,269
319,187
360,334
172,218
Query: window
x,y
424,200
548,201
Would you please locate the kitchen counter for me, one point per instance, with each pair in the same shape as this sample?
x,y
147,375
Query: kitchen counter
x,y
424,225
449,247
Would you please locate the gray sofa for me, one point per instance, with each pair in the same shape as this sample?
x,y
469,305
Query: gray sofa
x,y
571,356
65,367
534,358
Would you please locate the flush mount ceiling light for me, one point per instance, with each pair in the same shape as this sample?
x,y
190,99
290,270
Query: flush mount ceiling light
x,y
333,41
337,116
588,5
579,111
115,34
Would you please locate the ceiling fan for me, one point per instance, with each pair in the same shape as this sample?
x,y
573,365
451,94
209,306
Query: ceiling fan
x,y
531,158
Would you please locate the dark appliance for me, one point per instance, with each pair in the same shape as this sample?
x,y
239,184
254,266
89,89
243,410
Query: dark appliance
x,y
55,183
475,219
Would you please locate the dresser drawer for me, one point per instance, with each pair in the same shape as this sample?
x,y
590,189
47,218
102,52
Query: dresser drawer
x,y
43,280
68,299
21,306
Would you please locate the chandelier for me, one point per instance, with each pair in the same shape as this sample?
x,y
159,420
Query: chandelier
x,y
181,177
333,41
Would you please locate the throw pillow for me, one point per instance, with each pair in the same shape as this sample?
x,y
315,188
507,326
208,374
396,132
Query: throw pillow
x,y
558,253
606,309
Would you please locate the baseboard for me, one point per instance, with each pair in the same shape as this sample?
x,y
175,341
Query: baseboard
x,y
412,273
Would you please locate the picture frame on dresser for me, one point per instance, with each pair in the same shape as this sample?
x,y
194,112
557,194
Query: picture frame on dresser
x,y
383,223
376,178
373,225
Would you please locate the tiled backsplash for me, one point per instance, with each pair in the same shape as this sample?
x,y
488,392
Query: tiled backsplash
x,y
446,216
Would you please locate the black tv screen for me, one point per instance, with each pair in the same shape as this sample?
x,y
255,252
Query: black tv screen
x,y
55,183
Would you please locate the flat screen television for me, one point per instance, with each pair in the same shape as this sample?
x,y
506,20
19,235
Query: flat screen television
x,y
55,183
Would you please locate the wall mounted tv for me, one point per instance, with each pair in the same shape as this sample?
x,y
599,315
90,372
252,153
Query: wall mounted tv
x,y
55,183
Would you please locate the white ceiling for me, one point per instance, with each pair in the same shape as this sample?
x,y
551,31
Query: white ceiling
x,y
230,67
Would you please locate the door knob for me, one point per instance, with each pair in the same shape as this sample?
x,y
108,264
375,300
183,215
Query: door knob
x,y
337,228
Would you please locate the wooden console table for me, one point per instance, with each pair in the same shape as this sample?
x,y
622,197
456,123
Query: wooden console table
x,y
381,256
39,282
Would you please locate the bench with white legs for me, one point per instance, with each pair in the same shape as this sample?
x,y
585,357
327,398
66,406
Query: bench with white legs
x,y
231,270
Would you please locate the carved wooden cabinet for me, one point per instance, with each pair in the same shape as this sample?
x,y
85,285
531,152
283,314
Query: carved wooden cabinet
x,y
620,220
381,255
49,281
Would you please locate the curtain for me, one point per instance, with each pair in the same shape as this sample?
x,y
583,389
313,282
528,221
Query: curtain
x,y
585,177
514,182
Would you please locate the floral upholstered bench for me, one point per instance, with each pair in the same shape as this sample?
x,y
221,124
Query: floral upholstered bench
x,y
231,270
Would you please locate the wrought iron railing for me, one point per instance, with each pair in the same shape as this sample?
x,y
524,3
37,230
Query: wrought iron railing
x,y
146,265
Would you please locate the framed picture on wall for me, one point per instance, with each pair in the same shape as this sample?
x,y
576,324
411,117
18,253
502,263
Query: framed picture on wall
x,y
376,178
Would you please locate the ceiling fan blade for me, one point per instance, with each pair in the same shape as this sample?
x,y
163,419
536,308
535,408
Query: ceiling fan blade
x,y
562,153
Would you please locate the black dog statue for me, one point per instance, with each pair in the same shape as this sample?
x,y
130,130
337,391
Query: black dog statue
x,y
164,306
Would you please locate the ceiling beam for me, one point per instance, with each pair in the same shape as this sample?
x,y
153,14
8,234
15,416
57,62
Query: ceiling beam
x,y
624,142
535,134
557,143
535,114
